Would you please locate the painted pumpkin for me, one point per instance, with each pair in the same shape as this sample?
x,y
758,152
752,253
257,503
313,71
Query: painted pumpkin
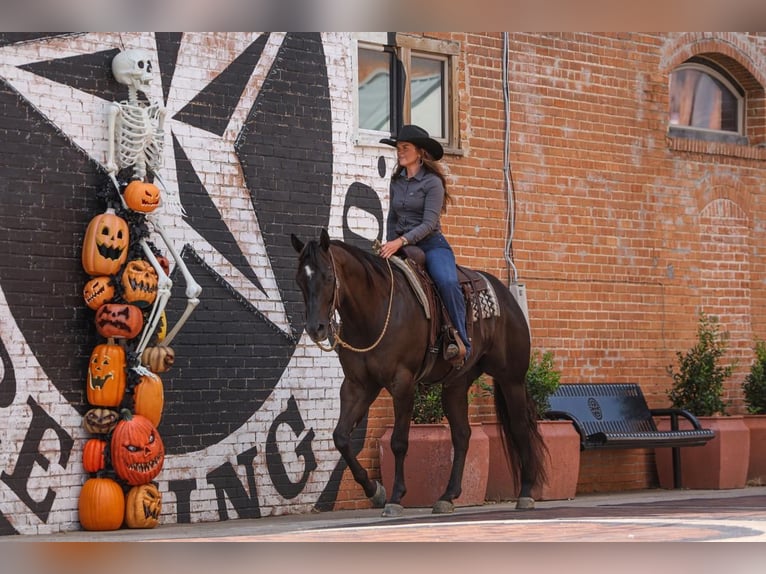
x,y
143,506
105,247
119,321
106,375
149,398
158,359
142,196
98,291
100,420
93,455
162,327
101,505
137,450
139,283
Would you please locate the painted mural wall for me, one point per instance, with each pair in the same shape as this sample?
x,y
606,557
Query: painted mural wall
x,y
257,145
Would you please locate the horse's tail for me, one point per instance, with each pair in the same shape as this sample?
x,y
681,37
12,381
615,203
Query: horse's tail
x,y
521,438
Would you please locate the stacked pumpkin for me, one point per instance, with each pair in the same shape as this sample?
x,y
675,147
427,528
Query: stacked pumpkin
x,y
127,453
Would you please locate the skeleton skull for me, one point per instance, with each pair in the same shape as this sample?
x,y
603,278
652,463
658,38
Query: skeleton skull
x,y
133,68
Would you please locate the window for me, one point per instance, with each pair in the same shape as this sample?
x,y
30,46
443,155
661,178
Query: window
x,y
405,79
705,103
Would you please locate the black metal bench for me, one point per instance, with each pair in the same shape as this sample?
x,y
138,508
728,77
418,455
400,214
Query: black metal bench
x,y
617,416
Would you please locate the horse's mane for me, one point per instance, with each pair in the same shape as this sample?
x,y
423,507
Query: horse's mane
x,y
373,264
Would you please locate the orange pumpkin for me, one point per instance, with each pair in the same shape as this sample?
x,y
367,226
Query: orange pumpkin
x,y
106,375
149,398
101,505
142,196
143,506
98,291
139,283
119,321
105,247
158,359
137,449
93,455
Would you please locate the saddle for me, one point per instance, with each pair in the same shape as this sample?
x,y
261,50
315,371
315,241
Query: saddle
x,y
476,291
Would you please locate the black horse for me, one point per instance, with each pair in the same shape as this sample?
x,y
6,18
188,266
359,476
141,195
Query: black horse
x,y
384,343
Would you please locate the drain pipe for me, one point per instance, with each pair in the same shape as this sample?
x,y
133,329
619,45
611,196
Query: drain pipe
x,y
518,290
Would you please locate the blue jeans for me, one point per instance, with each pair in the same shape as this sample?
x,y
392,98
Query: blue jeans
x,y
440,263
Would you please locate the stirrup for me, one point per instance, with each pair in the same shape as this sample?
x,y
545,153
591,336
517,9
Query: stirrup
x,y
454,352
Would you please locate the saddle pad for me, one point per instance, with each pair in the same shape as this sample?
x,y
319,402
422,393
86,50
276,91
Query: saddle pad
x,y
484,302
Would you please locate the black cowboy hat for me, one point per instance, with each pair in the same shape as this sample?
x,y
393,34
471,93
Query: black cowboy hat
x,y
418,136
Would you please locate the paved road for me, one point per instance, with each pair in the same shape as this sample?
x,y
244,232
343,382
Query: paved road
x,y
629,519
646,516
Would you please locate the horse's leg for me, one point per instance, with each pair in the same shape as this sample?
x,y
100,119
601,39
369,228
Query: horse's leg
x,y
355,400
455,403
516,413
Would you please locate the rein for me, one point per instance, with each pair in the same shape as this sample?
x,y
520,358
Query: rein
x,y
335,327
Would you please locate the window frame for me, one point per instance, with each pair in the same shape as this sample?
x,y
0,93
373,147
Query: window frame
x,y
710,68
403,48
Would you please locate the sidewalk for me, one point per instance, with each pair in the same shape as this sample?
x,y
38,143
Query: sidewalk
x,y
644,516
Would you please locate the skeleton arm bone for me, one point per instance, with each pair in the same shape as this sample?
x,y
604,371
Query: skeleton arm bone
x,y
164,286
114,113
193,288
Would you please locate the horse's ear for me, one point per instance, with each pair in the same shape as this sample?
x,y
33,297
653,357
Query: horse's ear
x,y
324,239
297,243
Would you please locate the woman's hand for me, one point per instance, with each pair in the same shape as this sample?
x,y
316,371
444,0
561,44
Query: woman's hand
x,y
391,247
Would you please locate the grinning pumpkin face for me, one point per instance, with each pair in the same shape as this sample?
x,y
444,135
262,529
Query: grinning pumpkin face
x,y
139,282
106,375
143,506
142,196
100,420
137,450
98,291
119,321
105,247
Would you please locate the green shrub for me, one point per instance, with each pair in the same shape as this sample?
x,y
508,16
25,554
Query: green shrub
x,y
542,380
698,383
428,404
755,382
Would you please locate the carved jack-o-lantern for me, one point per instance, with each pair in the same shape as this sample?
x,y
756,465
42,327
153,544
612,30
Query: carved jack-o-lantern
x,y
143,506
137,449
105,248
100,420
98,291
158,359
119,321
139,282
106,375
142,196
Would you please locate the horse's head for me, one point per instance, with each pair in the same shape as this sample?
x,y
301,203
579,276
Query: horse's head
x,y
316,278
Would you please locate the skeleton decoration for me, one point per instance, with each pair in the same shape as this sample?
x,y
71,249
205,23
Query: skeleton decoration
x,y
136,131
136,139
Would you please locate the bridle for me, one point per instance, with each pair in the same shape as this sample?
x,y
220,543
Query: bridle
x,y
334,326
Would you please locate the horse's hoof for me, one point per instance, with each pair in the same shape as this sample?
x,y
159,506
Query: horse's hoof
x,y
379,498
525,503
392,510
443,507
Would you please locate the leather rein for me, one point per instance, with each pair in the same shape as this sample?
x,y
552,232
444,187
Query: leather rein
x,y
334,326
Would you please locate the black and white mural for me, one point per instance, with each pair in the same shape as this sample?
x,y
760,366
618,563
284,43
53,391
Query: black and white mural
x,y
258,145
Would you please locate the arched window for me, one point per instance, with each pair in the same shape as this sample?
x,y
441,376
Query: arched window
x,y
706,103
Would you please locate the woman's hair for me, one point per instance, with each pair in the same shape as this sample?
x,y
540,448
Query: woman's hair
x,y
432,166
